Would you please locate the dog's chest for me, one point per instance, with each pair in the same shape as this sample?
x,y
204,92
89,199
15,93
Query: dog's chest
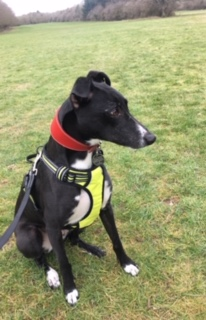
x,y
88,208
92,198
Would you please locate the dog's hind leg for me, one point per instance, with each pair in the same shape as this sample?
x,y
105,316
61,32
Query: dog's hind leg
x,y
29,240
91,249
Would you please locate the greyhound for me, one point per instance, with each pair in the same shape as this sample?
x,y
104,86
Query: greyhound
x,y
72,186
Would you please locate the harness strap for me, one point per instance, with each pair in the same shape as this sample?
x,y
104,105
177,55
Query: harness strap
x,y
66,174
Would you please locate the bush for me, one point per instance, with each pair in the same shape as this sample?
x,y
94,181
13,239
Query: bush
x,y
7,17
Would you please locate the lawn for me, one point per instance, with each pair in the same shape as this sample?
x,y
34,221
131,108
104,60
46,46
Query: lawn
x,y
159,192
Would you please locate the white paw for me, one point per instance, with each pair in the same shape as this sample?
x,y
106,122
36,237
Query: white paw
x,y
52,278
72,297
131,269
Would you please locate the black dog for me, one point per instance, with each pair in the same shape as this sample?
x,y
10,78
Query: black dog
x,y
72,186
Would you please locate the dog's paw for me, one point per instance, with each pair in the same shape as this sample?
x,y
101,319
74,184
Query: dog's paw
x,y
72,297
52,278
131,269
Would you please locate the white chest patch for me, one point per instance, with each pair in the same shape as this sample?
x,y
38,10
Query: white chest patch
x,y
83,164
84,204
81,209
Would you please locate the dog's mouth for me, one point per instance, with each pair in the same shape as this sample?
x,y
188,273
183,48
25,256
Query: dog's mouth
x,y
140,142
134,141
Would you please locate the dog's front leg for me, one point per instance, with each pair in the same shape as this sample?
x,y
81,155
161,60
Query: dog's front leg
x,y
70,290
107,217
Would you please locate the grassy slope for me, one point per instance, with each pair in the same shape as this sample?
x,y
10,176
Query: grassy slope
x,y
159,198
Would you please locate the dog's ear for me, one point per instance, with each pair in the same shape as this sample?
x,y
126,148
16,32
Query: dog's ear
x,y
99,76
81,92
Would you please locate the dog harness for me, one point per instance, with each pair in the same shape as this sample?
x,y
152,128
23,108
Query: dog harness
x,y
92,181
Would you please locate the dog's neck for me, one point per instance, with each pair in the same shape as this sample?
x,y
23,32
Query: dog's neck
x,y
78,159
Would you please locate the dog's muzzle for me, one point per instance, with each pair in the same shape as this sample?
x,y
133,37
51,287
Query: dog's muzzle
x,y
149,138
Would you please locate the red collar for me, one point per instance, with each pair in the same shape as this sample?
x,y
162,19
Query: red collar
x,y
65,140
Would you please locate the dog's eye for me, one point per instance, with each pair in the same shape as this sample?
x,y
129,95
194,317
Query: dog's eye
x,y
116,112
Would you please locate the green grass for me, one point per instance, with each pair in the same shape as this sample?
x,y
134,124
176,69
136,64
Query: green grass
x,y
159,192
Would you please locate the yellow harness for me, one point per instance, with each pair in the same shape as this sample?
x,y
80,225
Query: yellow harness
x,y
95,188
92,181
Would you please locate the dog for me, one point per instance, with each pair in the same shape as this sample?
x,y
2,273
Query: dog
x,y
70,168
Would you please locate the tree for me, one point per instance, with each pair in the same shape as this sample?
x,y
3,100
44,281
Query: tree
x,y
90,4
7,17
106,10
166,7
191,4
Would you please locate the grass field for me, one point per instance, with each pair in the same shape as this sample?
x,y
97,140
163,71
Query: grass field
x,y
159,192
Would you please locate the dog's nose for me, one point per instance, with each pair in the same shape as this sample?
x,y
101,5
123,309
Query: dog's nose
x,y
149,138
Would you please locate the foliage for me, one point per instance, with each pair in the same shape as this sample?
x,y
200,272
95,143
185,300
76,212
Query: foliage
x,y
70,14
159,191
131,9
91,4
191,4
105,10
102,10
120,10
7,17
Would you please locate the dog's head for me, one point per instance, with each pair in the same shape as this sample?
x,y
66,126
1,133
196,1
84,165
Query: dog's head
x,y
102,113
